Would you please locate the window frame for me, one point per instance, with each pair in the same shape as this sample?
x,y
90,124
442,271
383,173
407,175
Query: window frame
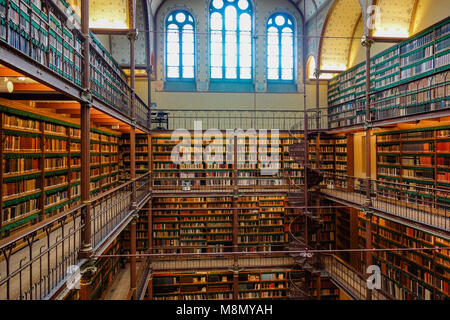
x,y
173,13
238,32
293,28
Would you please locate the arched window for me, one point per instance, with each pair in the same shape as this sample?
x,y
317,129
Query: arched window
x,y
280,47
231,39
311,68
180,45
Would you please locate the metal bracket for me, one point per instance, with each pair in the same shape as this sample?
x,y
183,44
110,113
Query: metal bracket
x,y
368,212
366,41
86,96
133,34
87,270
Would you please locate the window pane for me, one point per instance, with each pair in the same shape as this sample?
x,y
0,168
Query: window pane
x,y
286,74
216,36
180,17
272,61
246,73
245,22
173,72
188,48
218,4
188,60
230,18
231,49
216,60
273,50
230,60
246,49
173,60
173,47
279,20
188,72
230,73
287,62
245,37
216,48
216,73
216,21
243,4
272,74
245,61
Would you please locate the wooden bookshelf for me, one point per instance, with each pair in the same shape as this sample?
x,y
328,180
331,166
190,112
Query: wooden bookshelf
x,y
408,78
418,158
218,285
200,174
41,165
410,275
142,157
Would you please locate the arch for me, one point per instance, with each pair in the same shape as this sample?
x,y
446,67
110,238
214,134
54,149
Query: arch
x,y
180,45
281,30
231,28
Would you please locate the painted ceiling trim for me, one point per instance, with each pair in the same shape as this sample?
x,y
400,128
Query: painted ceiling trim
x,y
337,34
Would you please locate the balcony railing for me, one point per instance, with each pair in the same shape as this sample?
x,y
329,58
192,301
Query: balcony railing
x,y
245,119
424,204
347,277
50,35
34,265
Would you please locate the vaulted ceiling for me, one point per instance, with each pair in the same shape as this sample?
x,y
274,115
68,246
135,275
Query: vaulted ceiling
x,y
341,18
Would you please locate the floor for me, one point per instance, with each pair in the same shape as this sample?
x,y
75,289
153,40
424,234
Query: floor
x,y
120,287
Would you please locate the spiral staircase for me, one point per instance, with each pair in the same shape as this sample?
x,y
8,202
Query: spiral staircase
x,y
304,222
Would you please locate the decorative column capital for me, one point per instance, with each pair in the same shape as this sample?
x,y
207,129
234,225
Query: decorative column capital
x,y
86,96
133,34
88,270
366,41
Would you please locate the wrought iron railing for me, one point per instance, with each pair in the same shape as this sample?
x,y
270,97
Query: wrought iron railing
x,y
245,119
348,278
33,265
48,32
424,204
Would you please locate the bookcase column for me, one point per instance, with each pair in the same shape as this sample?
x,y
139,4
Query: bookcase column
x,y
132,37
86,248
367,43
133,256
235,285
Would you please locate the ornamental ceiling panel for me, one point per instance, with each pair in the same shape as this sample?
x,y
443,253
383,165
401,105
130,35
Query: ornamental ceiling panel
x,y
395,18
337,34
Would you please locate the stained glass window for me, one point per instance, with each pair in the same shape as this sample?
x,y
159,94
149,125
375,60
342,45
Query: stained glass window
x,y
231,39
280,47
180,55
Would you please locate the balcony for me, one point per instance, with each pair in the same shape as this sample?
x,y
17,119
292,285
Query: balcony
x,y
414,204
46,45
36,263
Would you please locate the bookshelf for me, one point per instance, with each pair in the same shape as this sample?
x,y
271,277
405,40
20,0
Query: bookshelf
x,y
41,165
218,285
107,269
201,174
142,157
418,158
333,155
408,78
410,275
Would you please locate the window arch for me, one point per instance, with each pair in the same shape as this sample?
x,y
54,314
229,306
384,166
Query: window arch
x,y
231,26
280,47
311,68
180,45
